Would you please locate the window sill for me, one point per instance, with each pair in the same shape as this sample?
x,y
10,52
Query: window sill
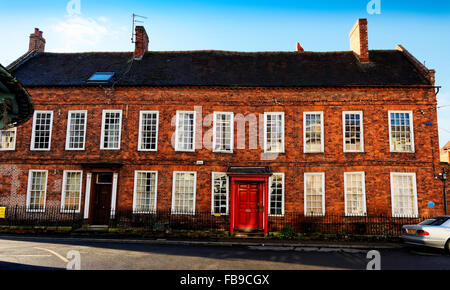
x,y
70,211
35,210
182,213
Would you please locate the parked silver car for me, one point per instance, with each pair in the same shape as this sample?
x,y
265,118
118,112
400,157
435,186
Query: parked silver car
x,y
434,232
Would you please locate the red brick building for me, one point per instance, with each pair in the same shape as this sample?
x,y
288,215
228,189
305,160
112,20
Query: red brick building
x,y
250,135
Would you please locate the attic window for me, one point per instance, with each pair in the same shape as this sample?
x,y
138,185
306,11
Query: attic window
x,y
100,77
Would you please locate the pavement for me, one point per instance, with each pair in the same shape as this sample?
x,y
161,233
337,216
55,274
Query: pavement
x,y
38,252
227,242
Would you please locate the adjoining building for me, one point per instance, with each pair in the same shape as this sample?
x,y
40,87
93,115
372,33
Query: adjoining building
x,y
249,135
445,153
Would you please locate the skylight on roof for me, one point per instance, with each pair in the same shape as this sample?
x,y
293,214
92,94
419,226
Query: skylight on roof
x,y
101,77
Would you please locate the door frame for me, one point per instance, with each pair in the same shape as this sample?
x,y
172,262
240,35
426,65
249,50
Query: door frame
x,y
234,179
90,194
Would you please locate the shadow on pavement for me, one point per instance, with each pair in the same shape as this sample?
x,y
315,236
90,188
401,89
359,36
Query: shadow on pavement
x,y
331,259
17,266
391,259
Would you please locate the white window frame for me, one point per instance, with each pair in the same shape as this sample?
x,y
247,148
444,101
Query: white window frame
x,y
416,211
304,193
411,131
363,185
173,211
63,192
282,132
360,113
104,112
231,114
33,131
322,133
135,211
68,129
30,174
141,119
213,195
177,130
282,193
15,139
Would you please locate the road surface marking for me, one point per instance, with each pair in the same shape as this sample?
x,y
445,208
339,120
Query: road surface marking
x,y
54,253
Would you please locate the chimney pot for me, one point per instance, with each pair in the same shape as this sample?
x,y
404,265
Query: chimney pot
x,y
37,42
359,42
141,43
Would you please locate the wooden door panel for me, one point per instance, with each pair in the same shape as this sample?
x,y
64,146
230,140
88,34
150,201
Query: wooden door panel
x,y
102,203
248,205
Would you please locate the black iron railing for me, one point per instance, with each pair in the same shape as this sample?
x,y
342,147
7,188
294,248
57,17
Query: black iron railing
x,y
205,221
165,220
341,224
49,217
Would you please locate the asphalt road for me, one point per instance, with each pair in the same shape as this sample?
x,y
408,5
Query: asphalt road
x,y
51,254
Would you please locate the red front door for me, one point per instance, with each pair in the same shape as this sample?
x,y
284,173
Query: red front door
x,y
248,204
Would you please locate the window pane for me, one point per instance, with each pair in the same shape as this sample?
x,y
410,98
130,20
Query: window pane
x,y
313,194
401,132
353,131
42,130
185,131
313,132
149,131
184,192
276,197
145,191
354,193
37,190
76,130
223,132
72,191
8,139
403,198
111,130
274,132
220,193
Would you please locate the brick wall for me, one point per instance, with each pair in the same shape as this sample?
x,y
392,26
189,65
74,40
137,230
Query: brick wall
x,y
376,161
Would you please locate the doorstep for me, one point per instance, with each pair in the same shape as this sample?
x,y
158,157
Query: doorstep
x,y
249,234
92,228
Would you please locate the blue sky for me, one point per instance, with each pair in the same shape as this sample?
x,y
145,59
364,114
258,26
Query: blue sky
x,y
422,27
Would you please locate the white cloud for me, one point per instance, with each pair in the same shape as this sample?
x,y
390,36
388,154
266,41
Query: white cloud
x,y
77,33
102,19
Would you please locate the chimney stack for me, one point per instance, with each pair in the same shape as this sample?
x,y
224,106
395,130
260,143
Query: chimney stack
x,y
359,42
141,42
37,42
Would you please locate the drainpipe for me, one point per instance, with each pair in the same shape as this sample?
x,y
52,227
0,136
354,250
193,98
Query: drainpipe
x,y
443,177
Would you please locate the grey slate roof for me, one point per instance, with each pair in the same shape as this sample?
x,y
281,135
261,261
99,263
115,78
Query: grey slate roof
x,y
221,68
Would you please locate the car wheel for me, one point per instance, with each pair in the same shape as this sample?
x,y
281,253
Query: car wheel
x,y
447,246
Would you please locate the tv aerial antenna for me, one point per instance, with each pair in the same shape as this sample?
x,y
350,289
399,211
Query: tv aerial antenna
x,y
133,33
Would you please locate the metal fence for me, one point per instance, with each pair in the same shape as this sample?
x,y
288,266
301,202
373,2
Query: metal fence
x,y
50,217
205,221
165,220
342,225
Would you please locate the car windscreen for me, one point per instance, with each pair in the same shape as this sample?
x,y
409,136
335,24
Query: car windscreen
x,y
434,221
